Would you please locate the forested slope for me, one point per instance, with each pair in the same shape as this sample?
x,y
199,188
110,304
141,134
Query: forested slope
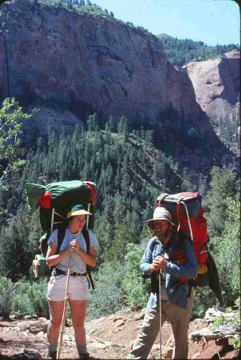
x,y
182,51
129,172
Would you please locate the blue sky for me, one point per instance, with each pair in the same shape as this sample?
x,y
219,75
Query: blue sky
x,y
211,21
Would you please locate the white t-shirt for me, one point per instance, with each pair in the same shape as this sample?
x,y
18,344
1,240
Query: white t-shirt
x,y
73,260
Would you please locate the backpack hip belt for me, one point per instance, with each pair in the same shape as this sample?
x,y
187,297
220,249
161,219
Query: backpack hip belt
x,y
57,272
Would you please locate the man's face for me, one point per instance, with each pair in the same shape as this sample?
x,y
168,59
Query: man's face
x,y
162,229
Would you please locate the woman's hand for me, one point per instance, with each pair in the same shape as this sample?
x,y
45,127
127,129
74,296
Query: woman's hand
x,y
73,246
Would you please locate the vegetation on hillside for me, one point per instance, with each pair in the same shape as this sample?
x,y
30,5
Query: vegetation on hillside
x,y
182,51
77,6
129,172
11,149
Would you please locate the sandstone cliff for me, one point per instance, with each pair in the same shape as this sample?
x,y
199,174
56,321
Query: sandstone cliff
x,y
217,84
90,64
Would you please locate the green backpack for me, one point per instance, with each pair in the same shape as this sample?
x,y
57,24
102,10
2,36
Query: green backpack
x,y
54,202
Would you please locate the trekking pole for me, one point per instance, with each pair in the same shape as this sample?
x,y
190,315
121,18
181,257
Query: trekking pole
x,y
64,310
160,311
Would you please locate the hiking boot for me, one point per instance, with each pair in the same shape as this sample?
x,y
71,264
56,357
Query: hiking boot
x,y
52,355
85,356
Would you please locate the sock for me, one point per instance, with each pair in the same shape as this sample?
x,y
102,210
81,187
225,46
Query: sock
x,y
52,347
82,349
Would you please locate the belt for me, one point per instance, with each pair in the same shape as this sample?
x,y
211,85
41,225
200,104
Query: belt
x,y
57,271
76,274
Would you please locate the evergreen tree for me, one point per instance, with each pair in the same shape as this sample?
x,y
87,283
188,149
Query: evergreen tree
x,y
223,187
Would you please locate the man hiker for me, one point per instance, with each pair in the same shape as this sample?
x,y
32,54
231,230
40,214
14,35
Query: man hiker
x,y
162,258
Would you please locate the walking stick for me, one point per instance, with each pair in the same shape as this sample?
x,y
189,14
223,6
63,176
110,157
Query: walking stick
x,y
160,311
65,310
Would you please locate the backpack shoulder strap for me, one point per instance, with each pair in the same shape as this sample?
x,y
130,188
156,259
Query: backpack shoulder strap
x,y
86,235
61,235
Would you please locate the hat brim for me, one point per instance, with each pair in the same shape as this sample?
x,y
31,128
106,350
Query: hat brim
x,y
150,222
77,212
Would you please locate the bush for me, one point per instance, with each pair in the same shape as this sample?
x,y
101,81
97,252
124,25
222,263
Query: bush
x,y
6,298
133,284
108,296
227,254
23,298
30,298
204,298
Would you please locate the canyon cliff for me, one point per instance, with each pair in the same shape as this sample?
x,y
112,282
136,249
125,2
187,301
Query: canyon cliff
x,y
216,84
88,63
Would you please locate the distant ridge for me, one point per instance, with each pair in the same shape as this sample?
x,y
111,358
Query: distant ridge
x,y
182,51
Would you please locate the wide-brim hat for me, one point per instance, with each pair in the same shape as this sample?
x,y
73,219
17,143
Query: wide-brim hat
x,y
77,210
160,213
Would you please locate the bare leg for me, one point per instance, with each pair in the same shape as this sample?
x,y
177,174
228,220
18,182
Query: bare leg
x,y
55,312
78,311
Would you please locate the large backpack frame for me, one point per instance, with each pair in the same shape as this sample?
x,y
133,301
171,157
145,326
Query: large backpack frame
x,y
54,202
188,216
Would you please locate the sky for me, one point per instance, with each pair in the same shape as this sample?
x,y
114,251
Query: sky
x,y
211,21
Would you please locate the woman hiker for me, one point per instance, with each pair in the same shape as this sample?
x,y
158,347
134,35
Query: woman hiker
x,y
72,254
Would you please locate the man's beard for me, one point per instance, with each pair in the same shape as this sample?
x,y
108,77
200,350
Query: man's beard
x,y
162,235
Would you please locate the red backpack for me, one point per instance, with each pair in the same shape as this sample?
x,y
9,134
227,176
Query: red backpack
x,y
188,216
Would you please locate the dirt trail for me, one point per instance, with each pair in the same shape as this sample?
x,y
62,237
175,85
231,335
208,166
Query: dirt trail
x,y
108,337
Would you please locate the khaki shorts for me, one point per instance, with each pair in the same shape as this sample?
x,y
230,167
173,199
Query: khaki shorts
x,y
78,288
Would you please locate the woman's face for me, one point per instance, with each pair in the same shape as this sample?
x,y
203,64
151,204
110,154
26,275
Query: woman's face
x,y
77,223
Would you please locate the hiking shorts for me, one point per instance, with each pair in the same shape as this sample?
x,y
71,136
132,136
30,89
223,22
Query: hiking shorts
x,y
78,288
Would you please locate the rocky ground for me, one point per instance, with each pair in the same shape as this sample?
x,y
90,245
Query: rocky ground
x,y
108,337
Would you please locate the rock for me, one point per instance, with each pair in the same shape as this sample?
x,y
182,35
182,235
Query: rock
x,y
47,119
28,317
15,317
102,66
195,356
139,316
35,329
213,313
120,322
220,332
100,345
117,318
166,351
134,307
26,353
216,83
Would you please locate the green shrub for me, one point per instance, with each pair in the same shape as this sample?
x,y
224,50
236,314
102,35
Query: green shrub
x,y
226,249
23,298
204,298
108,296
22,305
6,298
30,298
133,284
38,296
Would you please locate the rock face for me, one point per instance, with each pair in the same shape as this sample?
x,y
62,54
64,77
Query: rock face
x,y
217,84
49,119
90,64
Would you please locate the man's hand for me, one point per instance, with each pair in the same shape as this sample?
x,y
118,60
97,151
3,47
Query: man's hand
x,y
159,263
